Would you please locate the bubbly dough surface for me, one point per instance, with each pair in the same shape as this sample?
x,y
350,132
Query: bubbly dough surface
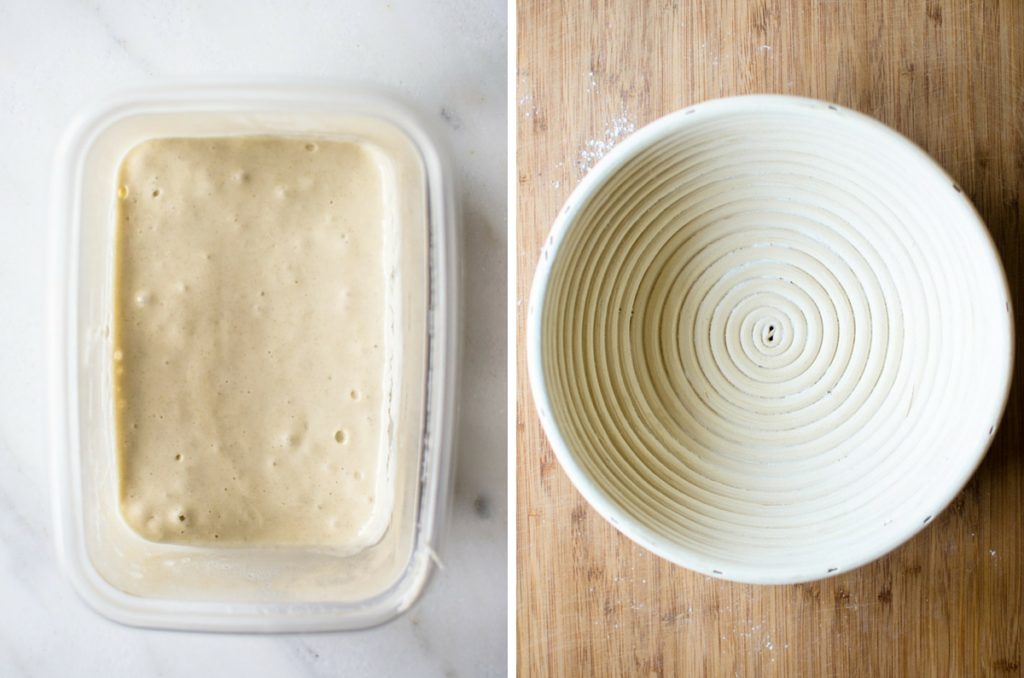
x,y
250,355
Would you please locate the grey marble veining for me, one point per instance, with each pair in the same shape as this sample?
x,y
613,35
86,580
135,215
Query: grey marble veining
x,y
55,57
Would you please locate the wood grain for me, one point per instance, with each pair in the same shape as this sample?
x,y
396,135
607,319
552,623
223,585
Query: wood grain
x,y
949,74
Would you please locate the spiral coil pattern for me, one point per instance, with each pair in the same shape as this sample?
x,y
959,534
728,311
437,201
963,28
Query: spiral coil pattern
x,y
774,339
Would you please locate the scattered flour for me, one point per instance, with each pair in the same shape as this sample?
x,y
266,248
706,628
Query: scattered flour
x,y
595,149
526,103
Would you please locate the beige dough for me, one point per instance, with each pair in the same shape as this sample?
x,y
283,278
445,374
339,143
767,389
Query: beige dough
x,y
250,347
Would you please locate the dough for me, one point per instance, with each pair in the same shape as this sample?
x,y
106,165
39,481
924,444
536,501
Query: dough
x,y
250,342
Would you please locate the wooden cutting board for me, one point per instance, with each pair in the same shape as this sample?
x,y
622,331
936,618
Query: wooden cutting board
x,y
949,74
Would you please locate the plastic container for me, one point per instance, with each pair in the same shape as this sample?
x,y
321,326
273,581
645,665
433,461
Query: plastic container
x,y
143,583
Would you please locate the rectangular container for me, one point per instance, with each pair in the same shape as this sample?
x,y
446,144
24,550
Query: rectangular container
x,y
144,583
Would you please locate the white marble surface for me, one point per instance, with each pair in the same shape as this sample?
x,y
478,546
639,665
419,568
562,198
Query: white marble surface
x,y
58,56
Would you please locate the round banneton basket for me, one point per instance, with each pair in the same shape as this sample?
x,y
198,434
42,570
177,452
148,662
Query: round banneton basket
x,y
769,339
